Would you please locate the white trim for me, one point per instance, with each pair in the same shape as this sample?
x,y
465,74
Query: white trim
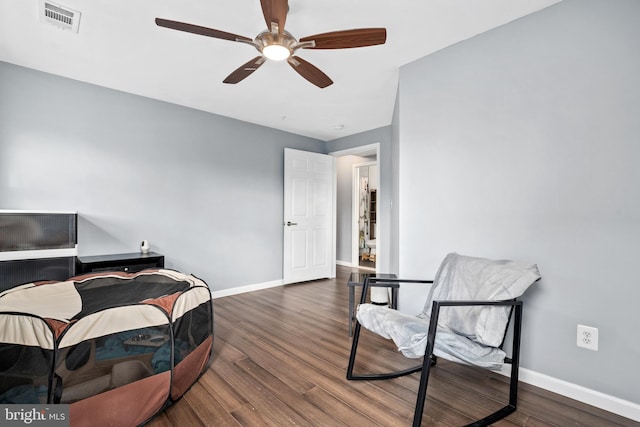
x,y
582,394
244,289
29,211
334,218
344,263
38,254
358,151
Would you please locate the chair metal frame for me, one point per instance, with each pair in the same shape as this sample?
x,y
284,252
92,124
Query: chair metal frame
x,y
429,358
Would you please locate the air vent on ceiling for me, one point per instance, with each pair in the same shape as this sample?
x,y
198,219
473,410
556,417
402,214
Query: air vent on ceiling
x,y
60,16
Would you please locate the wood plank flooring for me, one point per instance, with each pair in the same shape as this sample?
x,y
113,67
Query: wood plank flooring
x,y
280,358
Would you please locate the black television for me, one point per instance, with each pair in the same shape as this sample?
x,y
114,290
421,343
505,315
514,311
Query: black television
x,y
36,245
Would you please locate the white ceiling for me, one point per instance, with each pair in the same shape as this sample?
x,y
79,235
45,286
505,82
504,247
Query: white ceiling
x,y
119,46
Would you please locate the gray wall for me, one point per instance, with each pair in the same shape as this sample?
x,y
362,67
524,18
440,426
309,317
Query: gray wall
x,y
383,136
205,190
523,143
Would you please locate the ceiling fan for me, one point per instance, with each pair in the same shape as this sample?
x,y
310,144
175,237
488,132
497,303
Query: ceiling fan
x,y
277,44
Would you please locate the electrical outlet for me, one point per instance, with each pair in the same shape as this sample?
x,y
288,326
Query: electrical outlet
x,y
587,337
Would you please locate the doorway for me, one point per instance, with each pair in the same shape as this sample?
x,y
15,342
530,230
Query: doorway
x,y
349,245
365,189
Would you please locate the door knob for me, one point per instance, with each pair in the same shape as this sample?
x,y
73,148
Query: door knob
x,y
289,223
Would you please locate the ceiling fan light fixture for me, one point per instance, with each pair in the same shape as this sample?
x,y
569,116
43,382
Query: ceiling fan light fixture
x,y
276,52
277,44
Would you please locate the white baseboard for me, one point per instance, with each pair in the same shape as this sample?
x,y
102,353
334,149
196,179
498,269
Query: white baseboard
x,y
609,403
343,263
244,289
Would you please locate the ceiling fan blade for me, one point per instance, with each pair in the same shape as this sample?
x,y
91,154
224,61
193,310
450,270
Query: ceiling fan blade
x,y
310,72
203,31
245,70
275,11
345,39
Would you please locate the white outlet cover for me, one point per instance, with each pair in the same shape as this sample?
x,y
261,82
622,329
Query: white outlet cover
x,y
587,337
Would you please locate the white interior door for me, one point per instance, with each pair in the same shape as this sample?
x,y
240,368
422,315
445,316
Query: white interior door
x,y
309,229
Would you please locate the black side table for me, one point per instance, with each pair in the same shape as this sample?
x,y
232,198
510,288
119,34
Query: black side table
x,y
357,279
129,263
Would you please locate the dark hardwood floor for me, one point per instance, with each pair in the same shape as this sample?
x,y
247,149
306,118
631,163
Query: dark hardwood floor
x,y
280,357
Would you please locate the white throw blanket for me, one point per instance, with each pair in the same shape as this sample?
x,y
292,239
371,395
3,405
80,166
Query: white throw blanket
x,y
465,334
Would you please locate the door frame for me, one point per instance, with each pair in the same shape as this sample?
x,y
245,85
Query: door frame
x,y
363,150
